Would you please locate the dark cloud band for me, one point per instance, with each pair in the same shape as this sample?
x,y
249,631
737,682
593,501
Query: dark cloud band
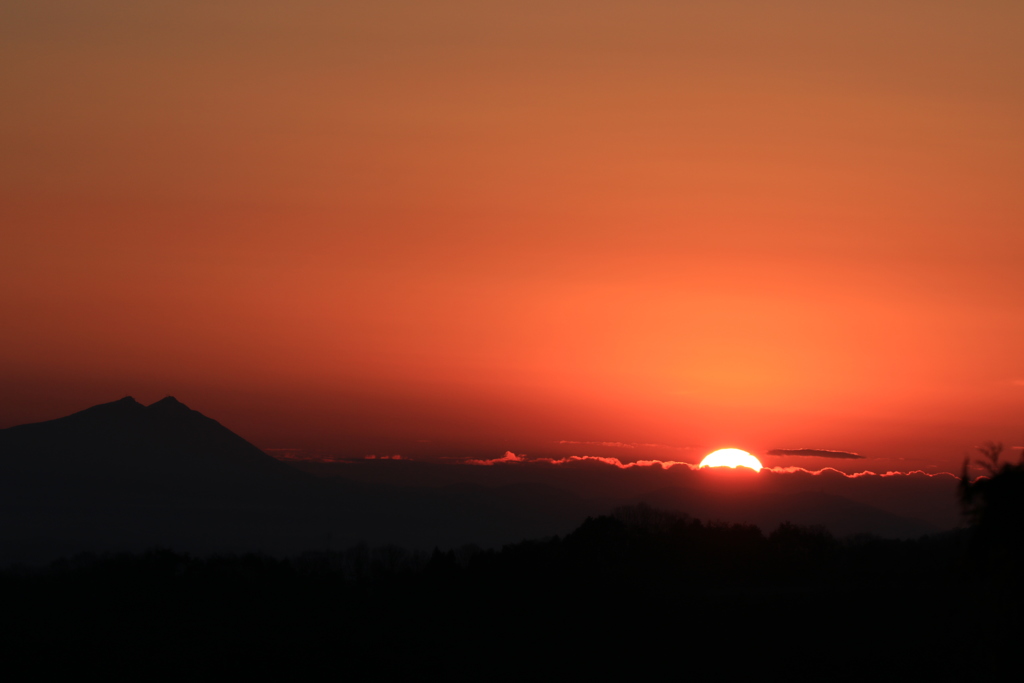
x,y
815,452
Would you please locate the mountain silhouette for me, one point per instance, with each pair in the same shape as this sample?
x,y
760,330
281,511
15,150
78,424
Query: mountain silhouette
x,y
127,451
124,453
122,476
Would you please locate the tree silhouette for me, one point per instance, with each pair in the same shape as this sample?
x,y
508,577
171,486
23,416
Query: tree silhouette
x,y
994,506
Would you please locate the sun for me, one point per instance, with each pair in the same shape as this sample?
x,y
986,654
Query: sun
x,y
731,457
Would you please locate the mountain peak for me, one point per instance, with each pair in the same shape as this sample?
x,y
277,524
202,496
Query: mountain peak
x,y
123,406
168,403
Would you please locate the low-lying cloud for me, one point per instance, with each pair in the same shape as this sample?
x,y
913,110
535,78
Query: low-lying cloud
x,y
816,453
526,461
508,457
620,444
511,457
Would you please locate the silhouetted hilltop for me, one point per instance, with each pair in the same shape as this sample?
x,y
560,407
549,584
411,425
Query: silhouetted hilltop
x,y
104,420
126,476
128,423
768,509
124,451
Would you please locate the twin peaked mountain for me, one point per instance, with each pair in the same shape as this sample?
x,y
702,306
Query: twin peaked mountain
x,y
122,476
125,452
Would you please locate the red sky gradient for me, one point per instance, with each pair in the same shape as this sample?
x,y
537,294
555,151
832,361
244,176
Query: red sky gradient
x,y
461,228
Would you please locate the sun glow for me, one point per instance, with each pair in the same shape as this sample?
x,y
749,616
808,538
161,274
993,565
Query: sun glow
x,y
731,457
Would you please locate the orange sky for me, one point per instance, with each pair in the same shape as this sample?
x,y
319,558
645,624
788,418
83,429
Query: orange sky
x,y
479,226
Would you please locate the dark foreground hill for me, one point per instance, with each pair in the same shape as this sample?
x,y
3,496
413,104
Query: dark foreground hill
x,y
126,477
639,594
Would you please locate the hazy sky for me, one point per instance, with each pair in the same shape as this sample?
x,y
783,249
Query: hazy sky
x,y
445,227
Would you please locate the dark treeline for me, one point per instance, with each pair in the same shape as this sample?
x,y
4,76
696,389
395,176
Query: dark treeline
x,y
628,593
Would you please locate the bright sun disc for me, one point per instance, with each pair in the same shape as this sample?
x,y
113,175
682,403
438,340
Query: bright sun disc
x,y
731,457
